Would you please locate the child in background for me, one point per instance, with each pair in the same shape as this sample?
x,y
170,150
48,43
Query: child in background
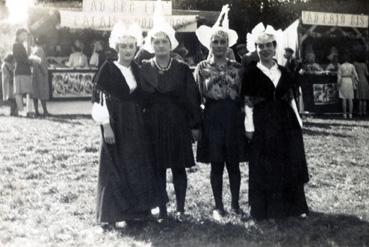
x,y
7,69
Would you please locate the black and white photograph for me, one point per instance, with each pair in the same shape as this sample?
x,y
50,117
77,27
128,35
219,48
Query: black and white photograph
x,y
161,123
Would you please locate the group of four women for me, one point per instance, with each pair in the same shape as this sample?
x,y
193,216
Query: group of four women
x,y
150,115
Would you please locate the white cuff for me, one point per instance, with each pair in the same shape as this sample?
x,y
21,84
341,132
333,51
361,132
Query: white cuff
x,y
100,112
294,107
249,120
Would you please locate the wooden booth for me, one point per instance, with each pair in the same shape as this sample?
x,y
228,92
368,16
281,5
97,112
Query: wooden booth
x,y
321,36
93,21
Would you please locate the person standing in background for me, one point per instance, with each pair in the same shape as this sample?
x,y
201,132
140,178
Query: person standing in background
x,y
347,83
98,55
77,59
22,72
290,64
334,64
40,77
362,87
241,51
7,73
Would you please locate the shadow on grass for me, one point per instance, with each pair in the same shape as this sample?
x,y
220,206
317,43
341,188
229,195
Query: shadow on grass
x,y
318,229
68,118
327,125
323,133
337,116
60,118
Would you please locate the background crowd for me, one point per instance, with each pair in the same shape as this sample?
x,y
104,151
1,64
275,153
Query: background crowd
x,y
25,75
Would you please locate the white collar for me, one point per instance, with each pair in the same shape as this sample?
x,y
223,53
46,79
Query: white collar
x,y
274,74
264,68
128,76
122,66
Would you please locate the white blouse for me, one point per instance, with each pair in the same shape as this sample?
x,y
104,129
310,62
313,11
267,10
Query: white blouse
x,y
128,75
100,112
274,74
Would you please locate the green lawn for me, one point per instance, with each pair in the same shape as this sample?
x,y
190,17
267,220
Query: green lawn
x,y
48,178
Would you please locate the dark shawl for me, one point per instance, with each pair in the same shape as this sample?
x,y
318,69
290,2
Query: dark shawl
x,y
110,81
181,86
257,87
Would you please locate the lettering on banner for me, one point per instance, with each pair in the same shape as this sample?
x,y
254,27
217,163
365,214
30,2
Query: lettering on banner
x,y
334,19
149,8
316,18
85,21
93,6
75,19
145,7
362,21
307,16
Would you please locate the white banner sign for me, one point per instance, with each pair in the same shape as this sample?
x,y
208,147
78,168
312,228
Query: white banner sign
x,y
127,7
334,19
73,19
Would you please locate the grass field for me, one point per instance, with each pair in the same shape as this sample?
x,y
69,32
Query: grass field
x,y
48,178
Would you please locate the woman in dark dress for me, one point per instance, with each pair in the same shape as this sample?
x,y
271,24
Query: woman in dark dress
x,y
127,181
222,141
172,113
278,169
22,72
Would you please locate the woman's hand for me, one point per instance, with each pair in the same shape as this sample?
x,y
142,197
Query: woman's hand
x,y
249,135
195,134
356,83
339,82
109,137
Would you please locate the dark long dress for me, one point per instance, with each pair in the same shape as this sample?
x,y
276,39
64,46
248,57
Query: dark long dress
x,y
127,181
173,109
277,168
223,136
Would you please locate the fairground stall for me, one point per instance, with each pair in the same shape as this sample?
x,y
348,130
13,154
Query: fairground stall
x,y
323,39
90,23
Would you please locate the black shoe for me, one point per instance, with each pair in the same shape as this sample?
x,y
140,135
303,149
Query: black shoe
x,y
240,213
179,216
108,227
163,215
